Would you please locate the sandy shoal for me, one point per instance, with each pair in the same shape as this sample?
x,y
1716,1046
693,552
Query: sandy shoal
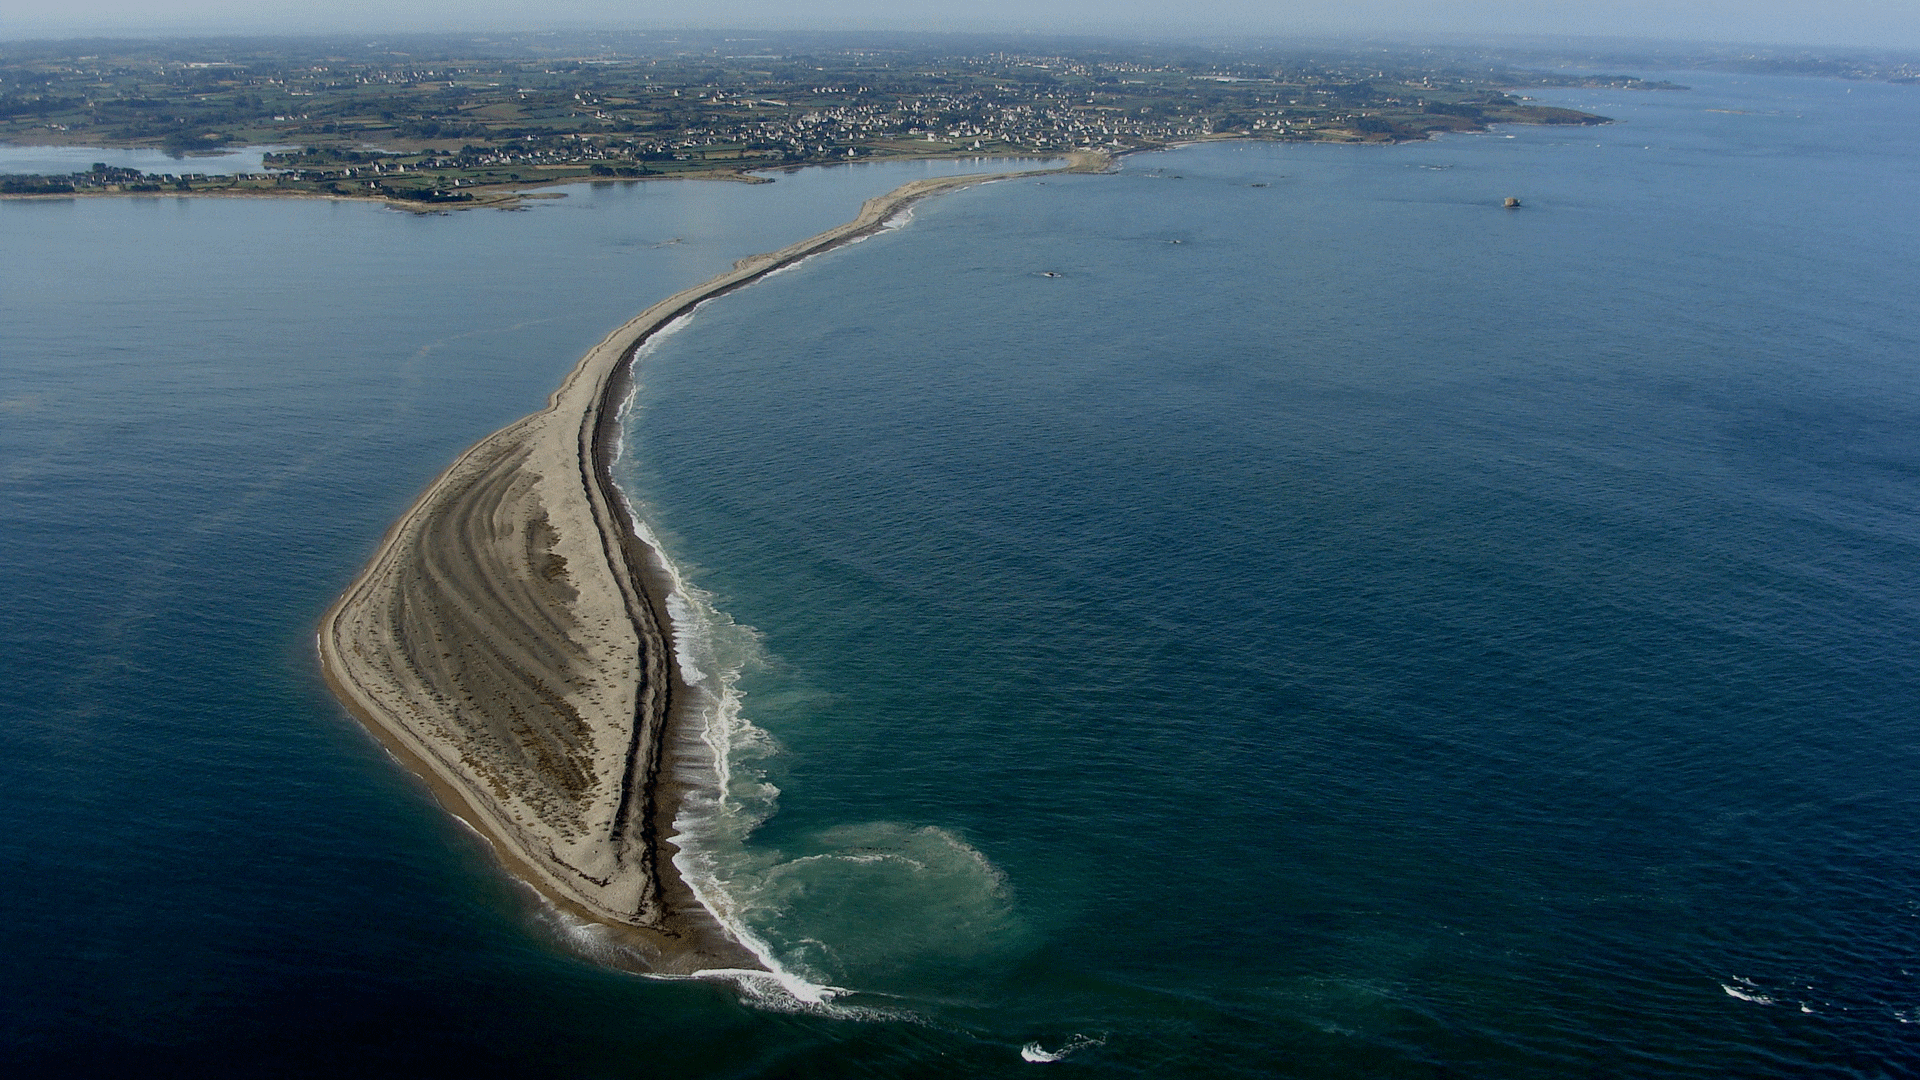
x,y
509,644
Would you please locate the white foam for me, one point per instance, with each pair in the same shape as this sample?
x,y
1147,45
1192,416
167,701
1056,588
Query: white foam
x,y
724,800
1038,1054
668,329
784,267
1746,992
713,810
584,938
858,859
889,223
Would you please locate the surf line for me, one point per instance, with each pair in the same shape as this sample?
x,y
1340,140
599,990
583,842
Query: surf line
x,y
510,644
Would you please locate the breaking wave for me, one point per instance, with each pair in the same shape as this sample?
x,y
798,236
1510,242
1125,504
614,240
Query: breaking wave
x,y
1039,1054
861,899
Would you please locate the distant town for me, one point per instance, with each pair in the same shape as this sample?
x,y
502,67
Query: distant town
x,y
430,121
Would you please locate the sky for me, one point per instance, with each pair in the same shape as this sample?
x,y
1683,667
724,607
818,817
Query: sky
x,y
1867,23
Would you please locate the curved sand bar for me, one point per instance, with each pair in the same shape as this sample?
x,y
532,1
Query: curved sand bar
x,y
509,644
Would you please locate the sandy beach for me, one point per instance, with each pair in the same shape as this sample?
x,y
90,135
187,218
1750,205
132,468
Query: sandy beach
x,y
509,643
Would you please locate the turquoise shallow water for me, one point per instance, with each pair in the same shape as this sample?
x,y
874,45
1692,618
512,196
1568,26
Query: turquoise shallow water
x,y
1377,634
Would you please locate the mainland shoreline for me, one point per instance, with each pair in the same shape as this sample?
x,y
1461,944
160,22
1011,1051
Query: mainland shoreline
x,y
509,643
519,194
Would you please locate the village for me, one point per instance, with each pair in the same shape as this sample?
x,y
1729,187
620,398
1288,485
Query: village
x,y
384,121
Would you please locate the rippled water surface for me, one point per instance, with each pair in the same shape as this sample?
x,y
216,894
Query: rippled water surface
x,y
1268,612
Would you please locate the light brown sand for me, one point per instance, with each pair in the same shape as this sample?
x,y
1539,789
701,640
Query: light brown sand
x,y
509,644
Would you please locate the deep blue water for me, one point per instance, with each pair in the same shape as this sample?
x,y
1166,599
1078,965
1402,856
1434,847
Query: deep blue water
x,y
1379,634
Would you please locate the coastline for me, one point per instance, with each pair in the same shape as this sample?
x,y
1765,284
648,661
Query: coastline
x,y
499,200
509,643
516,195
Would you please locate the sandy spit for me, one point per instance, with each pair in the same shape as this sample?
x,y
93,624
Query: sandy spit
x,y
509,644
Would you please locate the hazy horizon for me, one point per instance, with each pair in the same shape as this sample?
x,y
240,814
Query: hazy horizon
x,y
1865,24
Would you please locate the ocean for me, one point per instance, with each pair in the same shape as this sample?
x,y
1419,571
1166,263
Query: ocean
x,y
1268,611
